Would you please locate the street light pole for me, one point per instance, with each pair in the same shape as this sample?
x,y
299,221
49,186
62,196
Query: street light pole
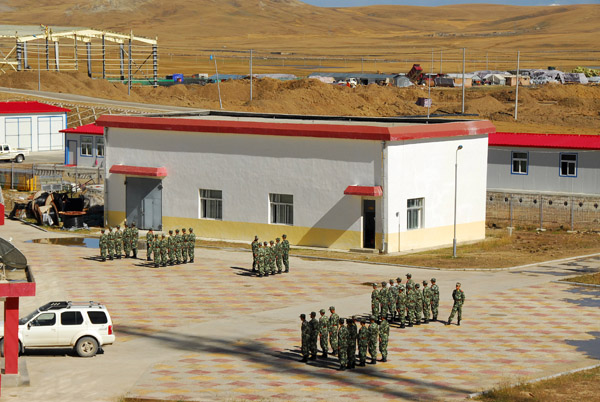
x,y
455,194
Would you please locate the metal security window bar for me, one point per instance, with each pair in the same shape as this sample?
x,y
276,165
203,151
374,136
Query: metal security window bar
x,y
568,165
87,145
282,208
211,204
100,147
414,213
520,162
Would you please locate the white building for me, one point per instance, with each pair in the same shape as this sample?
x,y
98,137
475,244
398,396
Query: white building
x,y
32,125
342,183
84,146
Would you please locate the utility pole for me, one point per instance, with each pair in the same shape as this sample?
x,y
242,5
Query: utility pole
x,y
463,82
517,89
250,75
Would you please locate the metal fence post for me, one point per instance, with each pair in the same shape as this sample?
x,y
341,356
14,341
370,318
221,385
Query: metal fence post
x,y
541,212
572,216
12,175
510,206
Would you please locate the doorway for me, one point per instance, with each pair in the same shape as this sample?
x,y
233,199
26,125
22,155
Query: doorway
x,y
369,224
144,202
71,152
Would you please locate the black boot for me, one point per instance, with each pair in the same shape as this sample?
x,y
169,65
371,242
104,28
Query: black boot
x,y
361,364
324,356
313,357
384,359
426,321
304,359
104,260
192,260
458,322
410,324
342,367
373,360
148,259
135,254
435,318
402,325
447,323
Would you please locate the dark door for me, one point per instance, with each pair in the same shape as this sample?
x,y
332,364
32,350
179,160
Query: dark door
x,y
72,152
368,223
144,203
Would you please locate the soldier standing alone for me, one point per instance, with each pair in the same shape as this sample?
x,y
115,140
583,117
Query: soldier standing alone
x,y
285,251
305,330
324,332
459,298
435,298
103,244
255,245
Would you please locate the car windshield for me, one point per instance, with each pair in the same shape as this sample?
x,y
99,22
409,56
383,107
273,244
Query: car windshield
x,y
28,317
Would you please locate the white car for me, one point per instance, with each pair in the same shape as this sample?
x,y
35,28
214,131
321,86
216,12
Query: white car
x,y
84,326
13,154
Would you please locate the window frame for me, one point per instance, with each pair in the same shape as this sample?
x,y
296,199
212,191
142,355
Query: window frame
x,y
560,162
35,322
419,209
276,206
100,142
210,198
97,313
512,162
79,321
84,140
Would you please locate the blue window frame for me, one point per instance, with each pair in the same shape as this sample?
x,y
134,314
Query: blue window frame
x,y
87,146
568,165
520,162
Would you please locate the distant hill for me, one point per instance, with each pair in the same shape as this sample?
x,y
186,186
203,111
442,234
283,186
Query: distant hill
x,y
292,25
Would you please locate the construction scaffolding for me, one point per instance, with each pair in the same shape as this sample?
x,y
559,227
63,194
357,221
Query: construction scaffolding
x,y
106,54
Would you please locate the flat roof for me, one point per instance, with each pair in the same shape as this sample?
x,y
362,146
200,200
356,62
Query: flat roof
x,y
341,127
530,140
29,107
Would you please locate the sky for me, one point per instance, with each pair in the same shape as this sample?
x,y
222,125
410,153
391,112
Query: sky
x,y
353,3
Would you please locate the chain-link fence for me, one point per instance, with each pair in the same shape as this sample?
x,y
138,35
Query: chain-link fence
x,y
49,177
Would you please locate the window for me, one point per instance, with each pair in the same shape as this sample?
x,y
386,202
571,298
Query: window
x,y
520,162
87,144
414,213
97,317
44,320
211,204
71,318
100,147
568,165
282,208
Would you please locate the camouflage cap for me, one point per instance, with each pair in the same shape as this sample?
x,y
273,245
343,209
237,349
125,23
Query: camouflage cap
x,y
322,311
191,229
170,232
255,237
432,279
348,320
398,279
425,282
409,275
118,226
183,229
265,243
277,239
417,285
302,315
164,235
176,230
284,236
331,307
457,283
362,321
342,321
271,241
383,283
313,314
391,281
372,317
102,230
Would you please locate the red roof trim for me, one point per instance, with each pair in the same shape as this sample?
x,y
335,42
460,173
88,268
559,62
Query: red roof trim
x,y
355,132
85,129
29,107
367,191
139,170
529,140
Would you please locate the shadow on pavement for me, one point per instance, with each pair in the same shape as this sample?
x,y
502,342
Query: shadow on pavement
x,y
591,296
286,361
590,347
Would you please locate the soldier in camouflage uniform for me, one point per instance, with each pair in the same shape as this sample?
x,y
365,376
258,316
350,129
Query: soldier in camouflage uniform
x,y
260,260
149,244
375,301
191,244
363,342
401,306
393,300
164,250
435,298
126,240
103,244
352,337
118,236
409,280
373,337
305,330
384,334
255,245
410,305
343,345
426,302
111,243
324,332
383,299
313,325
272,257
266,257
156,251
278,255
171,247
459,299
184,246
285,252
177,246
333,330
419,303
134,237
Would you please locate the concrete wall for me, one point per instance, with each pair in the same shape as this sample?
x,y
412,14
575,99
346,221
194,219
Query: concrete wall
x,y
543,173
425,169
33,124
247,168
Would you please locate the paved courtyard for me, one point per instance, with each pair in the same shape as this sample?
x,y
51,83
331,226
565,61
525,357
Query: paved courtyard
x,y
210,331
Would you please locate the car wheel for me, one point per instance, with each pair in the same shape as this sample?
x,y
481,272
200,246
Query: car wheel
x,y
86,346
2,348
19,158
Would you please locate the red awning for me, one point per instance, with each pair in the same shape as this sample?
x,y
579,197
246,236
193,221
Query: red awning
x,y
367,191
139,170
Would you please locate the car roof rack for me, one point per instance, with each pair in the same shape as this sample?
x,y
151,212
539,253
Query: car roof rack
x,y
54,305
83,304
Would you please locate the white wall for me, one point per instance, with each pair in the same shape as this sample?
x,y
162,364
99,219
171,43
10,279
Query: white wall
x,y
48,124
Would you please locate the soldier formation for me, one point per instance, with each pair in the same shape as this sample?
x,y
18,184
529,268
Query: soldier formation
x,y
113,243
405,304
270,258
177,248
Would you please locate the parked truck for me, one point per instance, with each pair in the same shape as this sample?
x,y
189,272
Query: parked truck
x,y
13,154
